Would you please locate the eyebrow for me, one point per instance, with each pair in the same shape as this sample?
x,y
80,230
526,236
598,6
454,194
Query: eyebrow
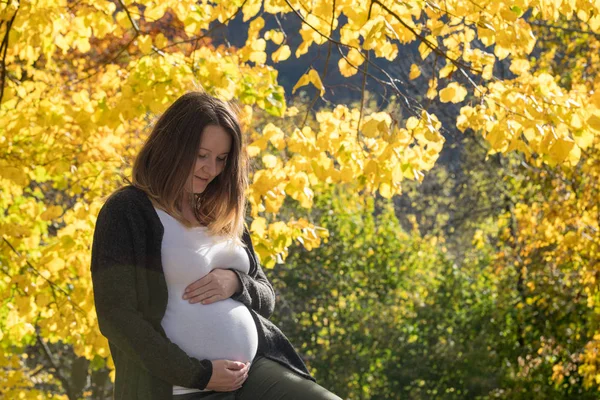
x,y
202,148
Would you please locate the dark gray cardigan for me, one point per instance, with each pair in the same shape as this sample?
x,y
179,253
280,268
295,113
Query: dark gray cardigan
x,y
130,294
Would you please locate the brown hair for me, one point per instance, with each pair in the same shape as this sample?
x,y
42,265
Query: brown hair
x,y
163,165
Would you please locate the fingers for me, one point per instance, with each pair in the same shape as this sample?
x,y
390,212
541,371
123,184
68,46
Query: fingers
x,y
228,375
234,365
219,284
199,283
242,376
206,297
212,299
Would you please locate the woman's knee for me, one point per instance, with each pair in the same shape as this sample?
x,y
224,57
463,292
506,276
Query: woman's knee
x,y
270,380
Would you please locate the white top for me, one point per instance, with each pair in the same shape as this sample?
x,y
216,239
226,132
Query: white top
x,y
221,330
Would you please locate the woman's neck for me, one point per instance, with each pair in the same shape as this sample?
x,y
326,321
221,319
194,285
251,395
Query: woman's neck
x,y
188,212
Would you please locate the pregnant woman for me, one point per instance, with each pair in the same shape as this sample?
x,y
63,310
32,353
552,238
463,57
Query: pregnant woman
x,y
179,292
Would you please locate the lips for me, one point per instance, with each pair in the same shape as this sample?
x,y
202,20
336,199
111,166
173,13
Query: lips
x,y
203,179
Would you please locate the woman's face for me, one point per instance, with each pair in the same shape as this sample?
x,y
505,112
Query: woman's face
x,y
214,149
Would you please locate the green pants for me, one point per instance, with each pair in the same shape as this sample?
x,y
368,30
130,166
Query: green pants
x,y
268,380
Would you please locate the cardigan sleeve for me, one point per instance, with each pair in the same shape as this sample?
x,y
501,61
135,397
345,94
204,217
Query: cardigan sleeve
x,y
257,292
113,268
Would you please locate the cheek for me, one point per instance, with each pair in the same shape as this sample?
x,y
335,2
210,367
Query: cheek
x,y
221,169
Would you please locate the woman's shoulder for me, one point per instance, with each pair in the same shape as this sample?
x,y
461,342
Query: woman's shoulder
x,y
128,193
127,199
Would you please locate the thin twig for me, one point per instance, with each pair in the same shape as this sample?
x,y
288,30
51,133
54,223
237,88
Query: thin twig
x,y
38,273
133,22
304,21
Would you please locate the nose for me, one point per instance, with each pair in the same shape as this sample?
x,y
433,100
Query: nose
x,y
210,168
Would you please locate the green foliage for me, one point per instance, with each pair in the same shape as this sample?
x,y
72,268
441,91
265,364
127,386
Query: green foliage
x,y
383,314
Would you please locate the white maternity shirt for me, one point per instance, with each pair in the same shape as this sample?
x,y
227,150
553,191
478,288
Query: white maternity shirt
x,y
221,330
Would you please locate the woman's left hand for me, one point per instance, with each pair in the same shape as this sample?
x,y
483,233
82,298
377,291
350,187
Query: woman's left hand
x,y
218,284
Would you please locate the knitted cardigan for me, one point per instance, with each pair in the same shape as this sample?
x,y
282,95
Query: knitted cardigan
x,y
130,294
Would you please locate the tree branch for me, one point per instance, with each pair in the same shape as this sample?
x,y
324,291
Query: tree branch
x,y
317,94
561,28
364,82
424,40
65,382
4,51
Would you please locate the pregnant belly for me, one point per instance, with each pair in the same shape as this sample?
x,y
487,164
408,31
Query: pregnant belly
x,y
221,330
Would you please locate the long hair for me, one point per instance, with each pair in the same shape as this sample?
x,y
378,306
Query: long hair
x,y
163,165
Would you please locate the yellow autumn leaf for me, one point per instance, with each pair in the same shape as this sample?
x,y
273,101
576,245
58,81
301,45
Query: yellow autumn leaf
x,y
561,149
415,72
275,36
82,44
292,111
278,139
145,44
51,213
160,40
259,226
345,68
583,138
310,77
412,123
425,49
432,90
269,160
376,124
574,156
281,54
250,9
123,20
519,66
453,93
594,122
347,174
385,190
55,265
595,98
355,57
369,128
256,147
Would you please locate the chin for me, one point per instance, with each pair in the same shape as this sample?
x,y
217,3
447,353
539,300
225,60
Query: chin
x,y
195,190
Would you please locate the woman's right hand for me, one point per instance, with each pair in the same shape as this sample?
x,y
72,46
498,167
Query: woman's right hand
x,y
227,376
